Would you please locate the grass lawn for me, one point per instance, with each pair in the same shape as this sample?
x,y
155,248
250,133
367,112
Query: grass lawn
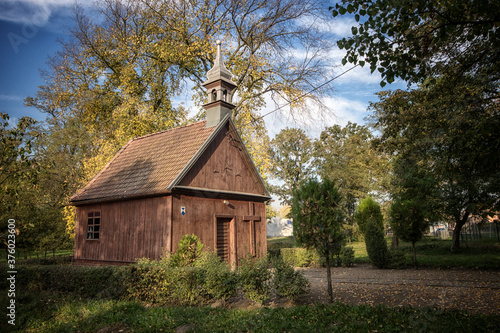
x,y
21,254
476,254
431,252
62,313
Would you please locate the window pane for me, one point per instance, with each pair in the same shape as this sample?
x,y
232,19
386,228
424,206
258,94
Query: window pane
x,y
96,235
90,229
97,220
97,214
89,235
96,228
91,214
91,221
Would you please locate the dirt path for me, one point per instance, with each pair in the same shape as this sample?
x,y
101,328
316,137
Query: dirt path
x,y
474,291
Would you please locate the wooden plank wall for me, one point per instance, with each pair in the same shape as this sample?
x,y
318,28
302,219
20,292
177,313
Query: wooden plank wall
x,y
129,230
225,166
200,219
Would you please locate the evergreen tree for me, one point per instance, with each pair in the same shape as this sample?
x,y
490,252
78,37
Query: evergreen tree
x,y
317,219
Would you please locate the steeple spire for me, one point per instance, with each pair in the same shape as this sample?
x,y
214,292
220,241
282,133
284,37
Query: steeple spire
x,y
219,71
220,89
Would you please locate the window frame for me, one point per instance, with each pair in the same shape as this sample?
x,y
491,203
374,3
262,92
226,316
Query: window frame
x,y
93,229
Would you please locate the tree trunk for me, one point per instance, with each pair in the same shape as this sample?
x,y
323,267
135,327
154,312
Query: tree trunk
x,y
395,242
329,278
459,223
414,254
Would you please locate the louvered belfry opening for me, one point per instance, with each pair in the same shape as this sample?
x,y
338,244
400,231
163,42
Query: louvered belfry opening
x,y
223,238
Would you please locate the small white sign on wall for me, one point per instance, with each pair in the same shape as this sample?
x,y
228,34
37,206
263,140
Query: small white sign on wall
x,y
183,210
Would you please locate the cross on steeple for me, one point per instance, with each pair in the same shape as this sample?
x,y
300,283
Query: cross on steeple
x,y
252,219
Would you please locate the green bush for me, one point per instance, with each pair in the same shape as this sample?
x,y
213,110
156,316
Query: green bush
x,y
158,282
219,281
85,282
254,278
286,281
347,256
397,259
300,257
188,250
59,260
376,245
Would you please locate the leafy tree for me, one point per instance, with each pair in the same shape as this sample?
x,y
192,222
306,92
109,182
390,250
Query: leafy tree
x,y
371,223
346,154
270,212
18,171
448,126
369,211
125,62
418,39
408,222
446,139
291,156
317,219
16,162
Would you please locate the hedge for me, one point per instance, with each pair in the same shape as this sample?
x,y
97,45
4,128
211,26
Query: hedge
x,y
155,282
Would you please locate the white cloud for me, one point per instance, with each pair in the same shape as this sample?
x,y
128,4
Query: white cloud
x,y
339,27
342,26
33,12
347,110
11,98
358,75
339,111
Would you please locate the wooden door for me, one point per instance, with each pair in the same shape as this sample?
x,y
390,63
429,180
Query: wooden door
x,y
223,244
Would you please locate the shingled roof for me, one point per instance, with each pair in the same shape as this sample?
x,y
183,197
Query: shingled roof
x,y
147,165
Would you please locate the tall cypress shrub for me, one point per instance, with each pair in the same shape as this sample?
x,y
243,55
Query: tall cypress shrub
x,y
371,223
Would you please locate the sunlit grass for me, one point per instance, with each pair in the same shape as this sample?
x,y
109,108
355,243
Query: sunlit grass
x,y
431,252
95,315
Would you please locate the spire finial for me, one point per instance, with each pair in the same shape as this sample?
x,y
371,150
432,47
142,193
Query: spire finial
x,y
219,71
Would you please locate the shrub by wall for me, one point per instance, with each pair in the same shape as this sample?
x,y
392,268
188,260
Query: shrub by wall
x,y
254,278
219,281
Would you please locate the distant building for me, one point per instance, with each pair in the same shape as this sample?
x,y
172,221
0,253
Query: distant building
x,y
279,227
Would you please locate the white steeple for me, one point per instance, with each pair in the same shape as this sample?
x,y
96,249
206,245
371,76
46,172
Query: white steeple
x,y
220,89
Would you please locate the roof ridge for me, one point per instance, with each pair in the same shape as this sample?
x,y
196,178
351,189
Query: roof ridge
x,y
167,130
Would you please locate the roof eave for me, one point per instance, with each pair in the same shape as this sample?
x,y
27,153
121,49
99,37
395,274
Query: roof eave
x,y
215,193
116,198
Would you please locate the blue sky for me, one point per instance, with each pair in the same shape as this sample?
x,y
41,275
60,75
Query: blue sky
x,y
29,30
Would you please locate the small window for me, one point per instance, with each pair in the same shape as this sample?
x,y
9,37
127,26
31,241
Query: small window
x,y
93,225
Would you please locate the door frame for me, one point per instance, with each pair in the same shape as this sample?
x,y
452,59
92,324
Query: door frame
x,y
233,258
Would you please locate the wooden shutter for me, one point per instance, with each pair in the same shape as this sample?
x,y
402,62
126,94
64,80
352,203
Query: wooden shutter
x,y
223,238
